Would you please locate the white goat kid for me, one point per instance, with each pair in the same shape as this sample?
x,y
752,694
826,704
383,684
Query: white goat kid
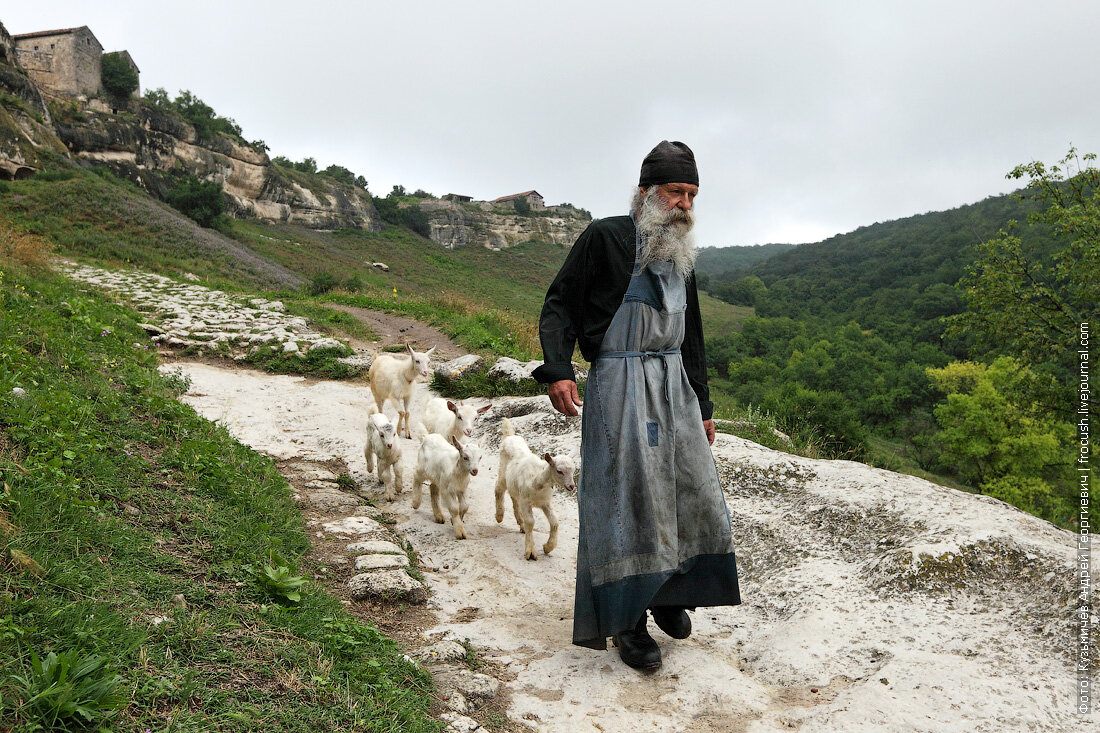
x,y
391,378
448,469
382,446
451,419
530,481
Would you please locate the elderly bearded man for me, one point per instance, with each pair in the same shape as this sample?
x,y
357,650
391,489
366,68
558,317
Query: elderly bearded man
x,y
654,527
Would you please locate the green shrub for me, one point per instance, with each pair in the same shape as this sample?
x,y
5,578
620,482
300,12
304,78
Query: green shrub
x,y
200,200
407,216
195,112
322,283
477,382
118,77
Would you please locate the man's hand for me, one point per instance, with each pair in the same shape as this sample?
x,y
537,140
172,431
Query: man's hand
x,y
563,395
708,426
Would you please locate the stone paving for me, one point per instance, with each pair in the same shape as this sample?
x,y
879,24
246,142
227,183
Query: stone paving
x,y
211,320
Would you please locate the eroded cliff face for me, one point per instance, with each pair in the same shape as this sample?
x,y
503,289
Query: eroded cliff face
x,y
149,147
455,225
26,132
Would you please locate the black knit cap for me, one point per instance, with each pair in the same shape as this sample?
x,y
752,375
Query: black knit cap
x,y
669,162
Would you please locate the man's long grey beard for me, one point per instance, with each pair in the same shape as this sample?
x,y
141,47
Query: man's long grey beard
x,y
666,235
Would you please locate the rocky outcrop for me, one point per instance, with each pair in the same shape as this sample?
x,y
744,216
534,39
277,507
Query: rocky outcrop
x,y
27,137
456,224
150,147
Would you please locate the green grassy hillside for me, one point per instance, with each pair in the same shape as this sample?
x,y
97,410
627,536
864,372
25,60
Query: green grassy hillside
x,y
134,537
489,300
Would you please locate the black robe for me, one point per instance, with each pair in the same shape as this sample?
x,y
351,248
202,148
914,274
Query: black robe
x,y
584,296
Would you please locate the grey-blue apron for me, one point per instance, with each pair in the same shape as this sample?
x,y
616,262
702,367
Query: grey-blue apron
x,y
654,527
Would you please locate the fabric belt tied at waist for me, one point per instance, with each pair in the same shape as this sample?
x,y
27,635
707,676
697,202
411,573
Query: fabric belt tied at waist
x,y
645,355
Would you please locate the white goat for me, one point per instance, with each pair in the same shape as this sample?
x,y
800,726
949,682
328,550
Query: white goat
x,y
391,378
451,419
530,481
448,469
382,445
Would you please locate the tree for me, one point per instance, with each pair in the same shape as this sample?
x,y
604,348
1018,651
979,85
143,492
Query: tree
x,y
398,190
522,206
158,98
998,444
118,78
340,173
1029,307
743,291
306,165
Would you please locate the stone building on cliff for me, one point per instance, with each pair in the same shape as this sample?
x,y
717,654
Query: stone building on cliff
x,y
64,62
534,198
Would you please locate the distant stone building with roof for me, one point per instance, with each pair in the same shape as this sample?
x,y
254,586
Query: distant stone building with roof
x,y
64,62
533,197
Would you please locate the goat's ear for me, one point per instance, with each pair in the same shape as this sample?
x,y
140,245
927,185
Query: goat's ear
x,y
455,443
546,457
410,349
483,409
429,350
452,406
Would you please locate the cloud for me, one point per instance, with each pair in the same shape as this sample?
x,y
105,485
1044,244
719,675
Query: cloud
x,y
806,119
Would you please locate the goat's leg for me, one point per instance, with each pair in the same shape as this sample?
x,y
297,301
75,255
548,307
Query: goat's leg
x,y
463,505
398,478
454,508
437,513
417,488
500,488
387,481
516,510
528,533
368,456
407,401
552,518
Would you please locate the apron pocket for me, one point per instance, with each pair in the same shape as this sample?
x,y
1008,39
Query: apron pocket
x,y
651,428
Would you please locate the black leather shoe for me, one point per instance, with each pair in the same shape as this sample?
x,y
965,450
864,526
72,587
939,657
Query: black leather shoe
x,y
637,647
673,620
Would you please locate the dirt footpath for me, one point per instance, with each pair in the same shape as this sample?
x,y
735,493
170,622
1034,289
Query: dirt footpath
x,y
873,601
393,329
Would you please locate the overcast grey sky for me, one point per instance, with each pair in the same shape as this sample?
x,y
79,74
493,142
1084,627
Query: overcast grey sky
x,y
806,118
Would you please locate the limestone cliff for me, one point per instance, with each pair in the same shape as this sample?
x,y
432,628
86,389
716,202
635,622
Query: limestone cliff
x,y
455,224
150,146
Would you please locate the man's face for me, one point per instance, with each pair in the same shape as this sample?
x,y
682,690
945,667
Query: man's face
x,y
678,195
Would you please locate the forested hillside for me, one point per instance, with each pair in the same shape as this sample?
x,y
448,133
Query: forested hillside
x,y
852,337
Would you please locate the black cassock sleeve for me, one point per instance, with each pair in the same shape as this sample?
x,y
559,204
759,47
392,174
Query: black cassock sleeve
x,y
562,310
694,352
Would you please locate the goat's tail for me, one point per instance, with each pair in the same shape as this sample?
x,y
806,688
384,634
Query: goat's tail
x,y
373,409
506,428
419,431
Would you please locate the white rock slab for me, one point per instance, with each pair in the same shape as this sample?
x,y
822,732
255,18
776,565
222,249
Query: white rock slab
x,y
380,562
392,584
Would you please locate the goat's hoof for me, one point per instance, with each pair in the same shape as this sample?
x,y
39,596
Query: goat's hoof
x,y
439,520
530,556
546,550
500,518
